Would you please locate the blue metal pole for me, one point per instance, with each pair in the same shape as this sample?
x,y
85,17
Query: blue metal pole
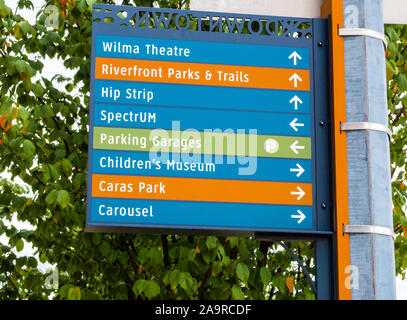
x,y
371,255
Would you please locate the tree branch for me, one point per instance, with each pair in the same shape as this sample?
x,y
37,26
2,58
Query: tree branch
x,y
299,268
128,281
398,116
204,282
55,118
37,178
181,4
264,246
164,240
19,158
398,227
14,286
131,256
272,293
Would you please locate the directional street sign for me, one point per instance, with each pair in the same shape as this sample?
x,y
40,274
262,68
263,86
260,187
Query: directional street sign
x,y
193,128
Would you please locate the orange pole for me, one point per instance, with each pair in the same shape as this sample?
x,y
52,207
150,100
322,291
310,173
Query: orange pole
x,y
334,8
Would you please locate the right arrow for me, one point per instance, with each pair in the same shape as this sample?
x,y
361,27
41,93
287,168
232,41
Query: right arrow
x,y
296,100
300,193
294,147
299,169
300,216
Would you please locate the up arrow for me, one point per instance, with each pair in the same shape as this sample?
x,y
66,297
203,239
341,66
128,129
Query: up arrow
x,y
300,193
295,77
296,100
300,170
294,124
295,56
300,216
294,147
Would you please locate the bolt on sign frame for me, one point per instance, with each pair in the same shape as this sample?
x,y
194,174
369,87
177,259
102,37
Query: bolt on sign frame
x,y
161,79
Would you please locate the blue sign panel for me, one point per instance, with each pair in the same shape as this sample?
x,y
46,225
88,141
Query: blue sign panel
x,y
196,129
131,116
172,95
204,52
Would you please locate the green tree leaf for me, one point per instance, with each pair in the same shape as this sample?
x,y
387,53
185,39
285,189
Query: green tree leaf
x,y
19,245
63,198
233,241
242,271
64,290
51,197
175,277
74,293
187,283
32,262
237,293
139,286
38,90
29,148
211,242
105,248
21,66
265,275
151,289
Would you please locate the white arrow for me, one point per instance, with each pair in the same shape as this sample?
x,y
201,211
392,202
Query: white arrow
x,y
299,169
295,56
300,193
296,78
300,216
294,147
294,124
296,100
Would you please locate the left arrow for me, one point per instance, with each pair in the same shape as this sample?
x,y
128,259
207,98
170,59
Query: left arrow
x,y
300,216
294,124
295,147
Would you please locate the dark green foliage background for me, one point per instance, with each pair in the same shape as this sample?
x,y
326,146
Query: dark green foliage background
x,y
44,141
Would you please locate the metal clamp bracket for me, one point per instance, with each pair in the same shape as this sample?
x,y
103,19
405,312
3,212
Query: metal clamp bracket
x,y
352,126
349,32
368,229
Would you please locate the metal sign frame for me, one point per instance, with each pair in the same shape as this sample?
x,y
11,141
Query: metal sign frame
x,y
296,32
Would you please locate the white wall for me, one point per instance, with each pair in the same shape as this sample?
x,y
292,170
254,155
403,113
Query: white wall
x,y
394,11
